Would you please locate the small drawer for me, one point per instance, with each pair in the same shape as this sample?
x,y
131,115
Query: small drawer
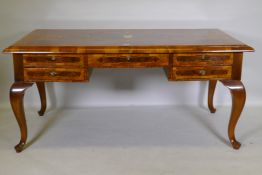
x,y
203,59
128,60
202,73
53,60
55,74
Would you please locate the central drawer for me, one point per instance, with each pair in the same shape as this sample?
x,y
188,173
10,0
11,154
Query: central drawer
x,y
128,60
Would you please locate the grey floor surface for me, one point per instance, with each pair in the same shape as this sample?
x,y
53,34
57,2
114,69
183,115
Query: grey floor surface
x,y
154,140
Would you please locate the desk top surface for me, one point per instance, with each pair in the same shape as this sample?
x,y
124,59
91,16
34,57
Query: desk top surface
x,y
127,40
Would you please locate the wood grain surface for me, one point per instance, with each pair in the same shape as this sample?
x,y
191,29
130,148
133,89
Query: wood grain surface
x,y
126,41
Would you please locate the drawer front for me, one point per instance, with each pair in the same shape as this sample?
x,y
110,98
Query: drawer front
x,y
55,74
203,59
202,73
128,60
53,60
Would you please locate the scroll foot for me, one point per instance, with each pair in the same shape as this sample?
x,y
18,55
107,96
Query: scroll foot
x,y
235,144
19,147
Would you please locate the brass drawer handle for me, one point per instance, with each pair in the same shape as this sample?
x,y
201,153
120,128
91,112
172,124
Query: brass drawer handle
x,y
202,72
53,73
53,58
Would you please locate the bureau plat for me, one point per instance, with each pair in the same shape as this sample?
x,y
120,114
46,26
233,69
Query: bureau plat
x,y
58,55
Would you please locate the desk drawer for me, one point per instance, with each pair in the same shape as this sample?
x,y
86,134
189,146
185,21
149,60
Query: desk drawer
x,y
128,60
55,74
203,59
202,73
53,60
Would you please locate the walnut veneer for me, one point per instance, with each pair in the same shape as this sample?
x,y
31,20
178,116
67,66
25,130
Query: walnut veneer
x,y
57,55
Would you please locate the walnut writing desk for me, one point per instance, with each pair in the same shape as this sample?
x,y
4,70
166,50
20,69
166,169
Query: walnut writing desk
x,y
49,55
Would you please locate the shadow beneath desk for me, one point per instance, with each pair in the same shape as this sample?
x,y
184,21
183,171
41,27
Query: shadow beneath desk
x,y
202,95
127,127
52,118
50,88
50,92
201,120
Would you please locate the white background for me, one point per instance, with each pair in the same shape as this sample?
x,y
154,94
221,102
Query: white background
x,y
125,87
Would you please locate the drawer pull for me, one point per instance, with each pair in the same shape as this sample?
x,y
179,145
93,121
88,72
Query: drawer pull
x,y
203,58
202,72
53,58
53,73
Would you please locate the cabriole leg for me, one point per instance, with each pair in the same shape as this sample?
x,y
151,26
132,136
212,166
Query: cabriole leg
x,y
238,94
42,94
211,91
17,92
